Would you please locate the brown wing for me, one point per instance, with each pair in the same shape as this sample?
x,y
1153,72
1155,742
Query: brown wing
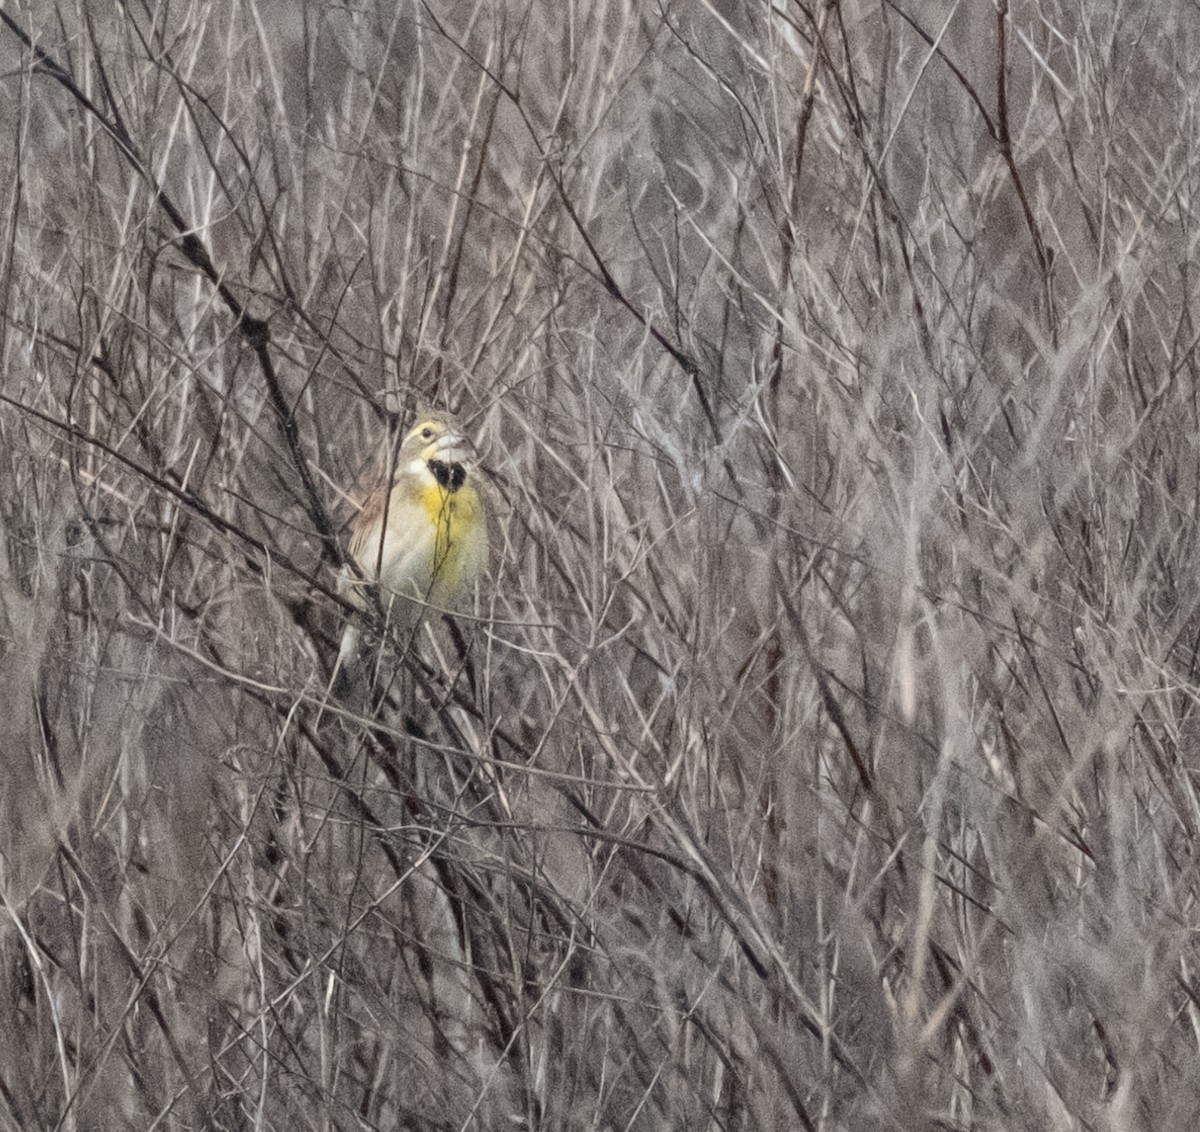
x,y
364,523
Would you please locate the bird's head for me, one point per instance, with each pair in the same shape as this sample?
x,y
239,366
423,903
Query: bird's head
x,y
434,437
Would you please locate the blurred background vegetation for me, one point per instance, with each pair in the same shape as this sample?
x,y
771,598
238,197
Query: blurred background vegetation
x,y
822,752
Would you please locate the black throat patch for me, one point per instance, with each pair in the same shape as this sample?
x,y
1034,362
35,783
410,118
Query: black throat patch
x,y
449,476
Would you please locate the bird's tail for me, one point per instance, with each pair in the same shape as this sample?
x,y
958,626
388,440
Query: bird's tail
x,y
341,682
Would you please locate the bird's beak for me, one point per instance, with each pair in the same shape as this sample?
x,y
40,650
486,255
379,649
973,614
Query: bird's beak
x,y
454,449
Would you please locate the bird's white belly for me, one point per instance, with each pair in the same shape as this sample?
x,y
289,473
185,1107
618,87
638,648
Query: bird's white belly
x,y
410,572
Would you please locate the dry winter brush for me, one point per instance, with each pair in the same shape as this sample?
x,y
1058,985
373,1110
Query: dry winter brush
x,y
819,749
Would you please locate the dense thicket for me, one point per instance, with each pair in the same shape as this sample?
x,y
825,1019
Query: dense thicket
x,y
822,753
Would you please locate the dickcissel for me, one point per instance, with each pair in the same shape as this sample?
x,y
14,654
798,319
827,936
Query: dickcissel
x,y
422,539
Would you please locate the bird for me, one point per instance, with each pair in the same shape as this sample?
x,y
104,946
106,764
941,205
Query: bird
x,y
422,539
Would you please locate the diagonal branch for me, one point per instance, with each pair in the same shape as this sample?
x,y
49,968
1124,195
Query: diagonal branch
x,y
681,357
253,331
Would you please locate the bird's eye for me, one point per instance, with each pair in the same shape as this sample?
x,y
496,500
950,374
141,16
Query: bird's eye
x,y
426,432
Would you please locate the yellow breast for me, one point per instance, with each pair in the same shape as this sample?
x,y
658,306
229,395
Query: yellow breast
x,y
458,533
